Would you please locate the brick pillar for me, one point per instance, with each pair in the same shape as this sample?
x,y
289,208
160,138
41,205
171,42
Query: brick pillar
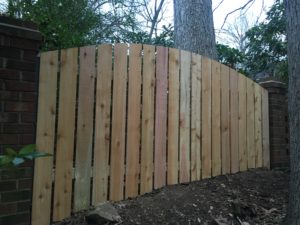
x,y
278,115
19,46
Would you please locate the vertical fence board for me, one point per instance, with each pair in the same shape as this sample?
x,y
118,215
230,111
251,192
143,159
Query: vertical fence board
x,y
147,119
84,139
250,124
265,125
173,117
102,124
242,83
184,124
206,117
118,123
216,119
42,184
234,121
133,121
225,118
65,134
161,117
258,126
196,118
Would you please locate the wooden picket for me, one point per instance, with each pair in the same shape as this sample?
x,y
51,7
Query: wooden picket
x,y
122,120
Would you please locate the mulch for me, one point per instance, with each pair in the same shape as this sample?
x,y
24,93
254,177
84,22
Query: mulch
x,y
248,198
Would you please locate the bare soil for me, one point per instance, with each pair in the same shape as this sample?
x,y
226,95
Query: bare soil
x,y
247,198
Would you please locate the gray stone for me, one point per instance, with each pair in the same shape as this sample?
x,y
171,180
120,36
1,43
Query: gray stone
x,y
103,214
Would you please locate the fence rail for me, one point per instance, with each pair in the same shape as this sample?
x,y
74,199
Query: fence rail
x,y
123,120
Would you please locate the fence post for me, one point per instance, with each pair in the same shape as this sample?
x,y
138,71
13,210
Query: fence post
x,y
278,118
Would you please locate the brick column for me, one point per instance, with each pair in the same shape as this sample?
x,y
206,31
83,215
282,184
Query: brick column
x,y
19,46
278,115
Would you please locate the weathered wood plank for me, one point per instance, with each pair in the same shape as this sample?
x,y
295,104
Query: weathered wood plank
x,y
258,126
243,123
161,117
216,119
102,124
147,119
250,124
65,134
196,118
265,127
184,124
225,119
133,120
173,117
206,117
118,123
234,121
84,139
42,183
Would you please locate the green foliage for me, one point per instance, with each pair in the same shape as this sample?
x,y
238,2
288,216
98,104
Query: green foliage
x,y
266,48
14,158
230,56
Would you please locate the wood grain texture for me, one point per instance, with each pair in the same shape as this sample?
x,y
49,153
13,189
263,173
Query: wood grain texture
x,y
102,124
243,123
147,147
184,124
196,118
160,140
265,127
42,183
258,126
173,117
206,117
65,134
225,119
234,122
117,169
250,124
133,120
84,138
216,119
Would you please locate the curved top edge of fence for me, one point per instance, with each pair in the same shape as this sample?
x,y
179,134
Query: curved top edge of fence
x,y
113,45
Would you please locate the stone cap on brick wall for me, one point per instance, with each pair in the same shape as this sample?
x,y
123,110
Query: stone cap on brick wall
x,y
274,86
19,28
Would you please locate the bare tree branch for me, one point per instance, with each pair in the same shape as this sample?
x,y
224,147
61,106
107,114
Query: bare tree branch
x,y
233,11
220,3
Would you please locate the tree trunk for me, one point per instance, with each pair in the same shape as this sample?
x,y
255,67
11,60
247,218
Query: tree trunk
x,y
194,28
293,33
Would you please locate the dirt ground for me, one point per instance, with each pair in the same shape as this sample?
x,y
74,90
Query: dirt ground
x,y
247,198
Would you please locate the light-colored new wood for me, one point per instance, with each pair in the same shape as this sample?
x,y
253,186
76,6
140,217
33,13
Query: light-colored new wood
x,y
258,126
234,121
161,117
265,127
102,124
225,119
250,124
184,116
84,139
133,121
173,117
42,183
206,117
65,134
118,123
196,118
242,85
147,119
216,119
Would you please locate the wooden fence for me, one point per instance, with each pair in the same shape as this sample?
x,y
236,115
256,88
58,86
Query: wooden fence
x,y
123,120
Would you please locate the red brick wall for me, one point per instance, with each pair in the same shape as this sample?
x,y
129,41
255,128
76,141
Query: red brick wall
x,y
278,116
19,46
